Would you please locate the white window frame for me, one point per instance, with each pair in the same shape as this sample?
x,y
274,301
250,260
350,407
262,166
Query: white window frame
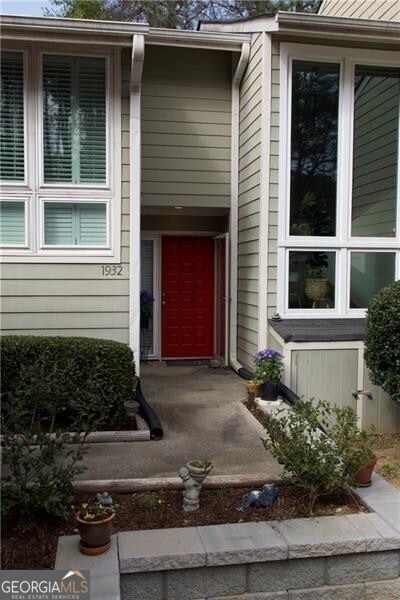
x,y
58,250
36,192
156,239
25,75
40,120
25,247
342,242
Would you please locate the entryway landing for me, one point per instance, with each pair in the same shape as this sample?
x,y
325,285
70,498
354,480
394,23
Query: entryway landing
x,y
202,415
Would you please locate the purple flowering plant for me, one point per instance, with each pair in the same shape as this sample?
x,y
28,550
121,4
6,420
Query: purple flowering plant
x,y
269,365
146,303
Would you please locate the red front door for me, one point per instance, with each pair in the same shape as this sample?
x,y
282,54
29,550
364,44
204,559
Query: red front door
x,y
187,297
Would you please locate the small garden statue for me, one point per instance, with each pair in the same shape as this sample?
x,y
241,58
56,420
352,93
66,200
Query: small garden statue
x,y
191,490
260,498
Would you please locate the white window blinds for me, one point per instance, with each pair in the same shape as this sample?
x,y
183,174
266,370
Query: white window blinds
x,y
12,117
74,119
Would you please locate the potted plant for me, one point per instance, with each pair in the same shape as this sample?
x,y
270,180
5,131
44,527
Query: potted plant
x,y
94,521
316,286
269,369
253,388
361,459
199,469
146,308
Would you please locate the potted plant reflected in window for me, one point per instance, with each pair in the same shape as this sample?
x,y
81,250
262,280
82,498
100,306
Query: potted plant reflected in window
x,y
269,368
146,308
316,284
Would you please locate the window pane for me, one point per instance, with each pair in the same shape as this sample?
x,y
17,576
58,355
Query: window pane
x,y
370,272
12,117
375,157
73,224
12,223
315,96
74,119
146,284
311,279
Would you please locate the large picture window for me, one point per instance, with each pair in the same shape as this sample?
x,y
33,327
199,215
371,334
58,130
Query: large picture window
x,y
339,179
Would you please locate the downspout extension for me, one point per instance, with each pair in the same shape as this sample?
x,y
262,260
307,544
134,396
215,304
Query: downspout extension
x,y
234,212
135,189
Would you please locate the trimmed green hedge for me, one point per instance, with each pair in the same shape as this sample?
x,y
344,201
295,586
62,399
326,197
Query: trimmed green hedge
x,y
84,381
382,355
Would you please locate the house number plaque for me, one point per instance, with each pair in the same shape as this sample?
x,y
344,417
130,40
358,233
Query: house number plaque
x,y
111,270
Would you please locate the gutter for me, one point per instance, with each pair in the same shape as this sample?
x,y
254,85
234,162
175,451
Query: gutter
x,y
234,212
87,31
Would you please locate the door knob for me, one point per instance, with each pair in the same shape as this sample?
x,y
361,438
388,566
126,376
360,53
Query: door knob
x,y
163,303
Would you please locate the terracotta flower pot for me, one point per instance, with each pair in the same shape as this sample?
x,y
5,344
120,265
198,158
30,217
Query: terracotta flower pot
x,y
95,535
363,477
253,389
197,473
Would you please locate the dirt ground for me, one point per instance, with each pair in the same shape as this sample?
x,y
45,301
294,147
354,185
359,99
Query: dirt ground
x,y
33,545
387,450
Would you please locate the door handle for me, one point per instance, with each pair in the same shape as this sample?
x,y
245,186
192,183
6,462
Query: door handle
x,y
362,393
163,303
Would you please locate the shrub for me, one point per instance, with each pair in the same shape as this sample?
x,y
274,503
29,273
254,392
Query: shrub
x,y
85,381
382,341
50,385
319,462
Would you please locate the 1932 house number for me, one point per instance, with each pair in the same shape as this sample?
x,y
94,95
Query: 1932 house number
x,y
111,270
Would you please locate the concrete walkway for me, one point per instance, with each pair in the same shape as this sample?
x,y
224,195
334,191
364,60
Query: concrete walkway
x,y
202,415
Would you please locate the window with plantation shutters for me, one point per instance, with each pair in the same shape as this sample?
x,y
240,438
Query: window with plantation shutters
x,y
12,223
74,120
75,224
12,117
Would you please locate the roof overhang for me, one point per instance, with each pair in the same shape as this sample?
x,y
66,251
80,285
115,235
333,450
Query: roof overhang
x,y
116,33
312,26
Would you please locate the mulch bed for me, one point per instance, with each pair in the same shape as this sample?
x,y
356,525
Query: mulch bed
x,y
33,546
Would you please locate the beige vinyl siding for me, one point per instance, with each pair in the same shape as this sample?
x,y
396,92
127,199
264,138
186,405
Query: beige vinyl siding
x,y
273,187
249,205
385,10
375,157
186,127
73,299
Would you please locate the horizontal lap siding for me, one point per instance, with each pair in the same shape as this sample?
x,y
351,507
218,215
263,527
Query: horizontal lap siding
x,y
385,10
73,299
273,188
186,127
249,205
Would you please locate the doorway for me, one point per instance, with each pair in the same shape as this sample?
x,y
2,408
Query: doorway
x,y
187,297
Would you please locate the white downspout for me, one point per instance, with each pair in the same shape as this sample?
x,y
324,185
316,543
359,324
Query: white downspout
x,y
135,192
234,212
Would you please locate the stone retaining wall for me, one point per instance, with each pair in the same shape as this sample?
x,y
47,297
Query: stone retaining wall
x,y
364,576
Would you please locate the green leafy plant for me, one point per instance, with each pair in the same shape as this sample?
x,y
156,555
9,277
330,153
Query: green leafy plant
x,y
94,510
382,340
203,463
319,461
51,387
222,494
152,501
86,381
391,471
268,366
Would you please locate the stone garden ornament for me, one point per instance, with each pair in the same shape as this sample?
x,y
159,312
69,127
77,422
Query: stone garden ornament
x,y
193,476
